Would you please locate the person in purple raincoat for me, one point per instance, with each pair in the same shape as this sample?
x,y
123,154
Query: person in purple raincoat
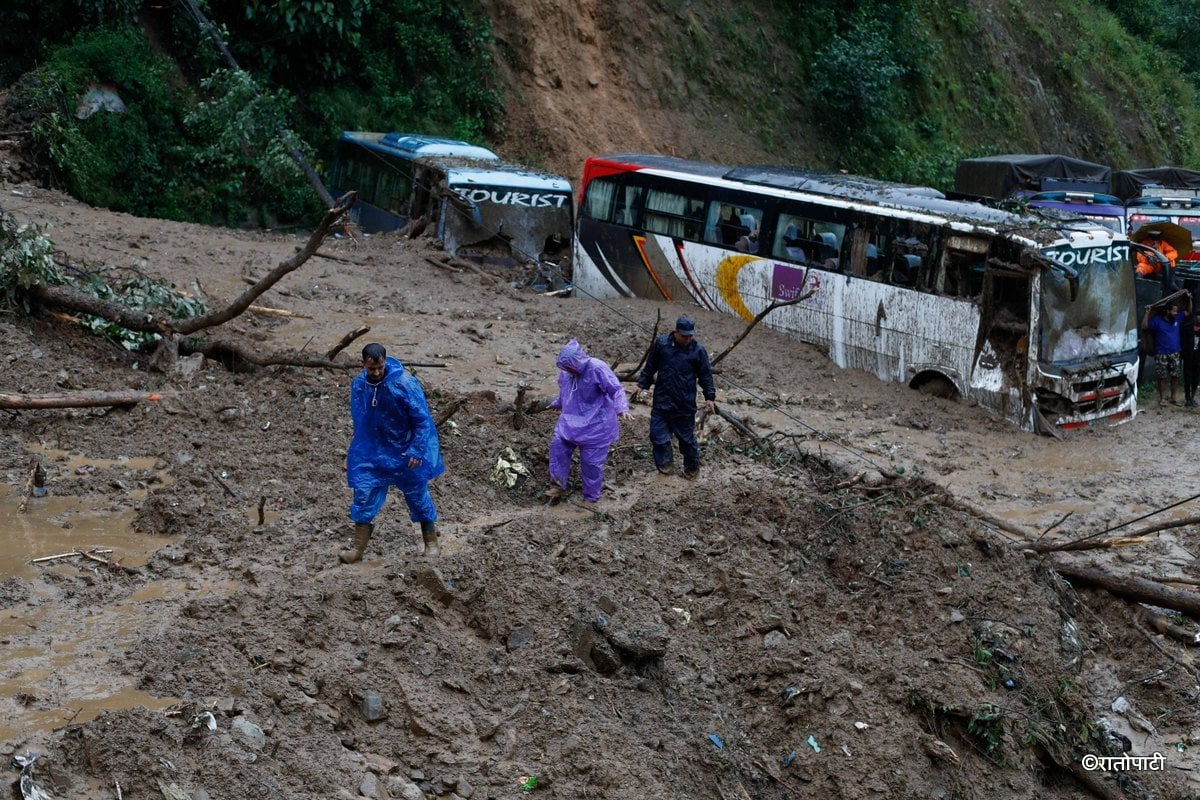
x,y
592,400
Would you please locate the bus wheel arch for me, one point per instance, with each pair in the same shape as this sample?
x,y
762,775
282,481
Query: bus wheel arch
x,y
935,384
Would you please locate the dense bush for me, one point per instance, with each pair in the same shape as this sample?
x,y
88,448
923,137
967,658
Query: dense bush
x,y
212,145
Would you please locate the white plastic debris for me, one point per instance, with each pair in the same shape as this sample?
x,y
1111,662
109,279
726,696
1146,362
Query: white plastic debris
x,y
508,469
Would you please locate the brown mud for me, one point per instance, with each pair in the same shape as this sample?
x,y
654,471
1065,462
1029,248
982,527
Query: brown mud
x,y
759,632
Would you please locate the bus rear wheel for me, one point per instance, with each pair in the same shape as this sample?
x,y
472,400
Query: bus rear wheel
x,y
937,386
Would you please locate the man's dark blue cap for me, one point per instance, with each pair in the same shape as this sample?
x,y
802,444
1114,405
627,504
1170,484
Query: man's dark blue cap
x,y
685,326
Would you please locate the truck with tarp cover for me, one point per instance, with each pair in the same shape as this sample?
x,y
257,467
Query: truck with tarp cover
x,y
1070,186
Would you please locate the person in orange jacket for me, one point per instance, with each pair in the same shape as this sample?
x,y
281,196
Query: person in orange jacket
x,y
1148,267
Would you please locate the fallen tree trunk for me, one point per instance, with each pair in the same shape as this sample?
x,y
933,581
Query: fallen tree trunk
x,y
1168,628
1130,587
67,299
76,400
235,355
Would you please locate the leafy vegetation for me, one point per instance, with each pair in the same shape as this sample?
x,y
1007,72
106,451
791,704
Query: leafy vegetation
x,y
26,260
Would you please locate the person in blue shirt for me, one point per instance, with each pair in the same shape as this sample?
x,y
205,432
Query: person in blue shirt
x,y
676,364
395,443
1166,328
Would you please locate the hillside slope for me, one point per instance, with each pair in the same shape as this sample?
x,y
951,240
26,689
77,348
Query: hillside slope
x,y
716,82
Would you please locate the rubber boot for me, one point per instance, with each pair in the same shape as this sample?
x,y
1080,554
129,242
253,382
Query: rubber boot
x,y
430,537
362,536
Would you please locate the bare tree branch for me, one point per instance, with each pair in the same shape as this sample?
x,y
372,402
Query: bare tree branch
x,y
758,319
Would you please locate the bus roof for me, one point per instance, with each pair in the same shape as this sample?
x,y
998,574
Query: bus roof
x,y
418,145
851,189
855,187
509,176
919,199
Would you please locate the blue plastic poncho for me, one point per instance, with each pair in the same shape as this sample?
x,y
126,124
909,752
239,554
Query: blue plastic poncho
x,y
590,396
392,423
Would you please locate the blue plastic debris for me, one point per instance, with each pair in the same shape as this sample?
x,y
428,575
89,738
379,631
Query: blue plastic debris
x,y
717,741
813,744
789,758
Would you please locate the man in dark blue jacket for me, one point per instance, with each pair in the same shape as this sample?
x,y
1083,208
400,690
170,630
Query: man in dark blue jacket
x,y
677,362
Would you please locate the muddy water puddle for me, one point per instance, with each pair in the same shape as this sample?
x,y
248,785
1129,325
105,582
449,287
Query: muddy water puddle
x,y
48,680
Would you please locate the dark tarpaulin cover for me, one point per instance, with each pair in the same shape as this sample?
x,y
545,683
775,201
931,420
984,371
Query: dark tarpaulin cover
x,y
999,177
1128,183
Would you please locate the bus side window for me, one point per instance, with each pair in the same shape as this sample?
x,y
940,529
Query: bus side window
x,y
906,268
629,201
599,201
693,224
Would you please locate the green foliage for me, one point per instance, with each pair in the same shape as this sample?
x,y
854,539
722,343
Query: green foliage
x,y
308,39
987,725
25,261
138,292
220,159
242,150
117,160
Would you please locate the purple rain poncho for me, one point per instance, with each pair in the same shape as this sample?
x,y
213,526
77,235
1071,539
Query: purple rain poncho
x,y
590,399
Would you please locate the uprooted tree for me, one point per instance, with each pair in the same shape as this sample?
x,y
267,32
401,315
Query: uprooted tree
x,y
30,279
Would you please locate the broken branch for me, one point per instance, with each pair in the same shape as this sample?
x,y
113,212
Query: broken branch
x,y
346,340
77,400
759,318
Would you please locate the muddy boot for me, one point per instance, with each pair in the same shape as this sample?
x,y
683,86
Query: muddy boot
x,y
430,537
362,535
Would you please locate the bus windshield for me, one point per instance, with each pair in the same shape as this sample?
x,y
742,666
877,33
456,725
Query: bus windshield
x,y
1101,319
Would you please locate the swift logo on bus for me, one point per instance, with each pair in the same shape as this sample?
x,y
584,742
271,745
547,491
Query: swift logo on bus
x,y
1101,256
503,197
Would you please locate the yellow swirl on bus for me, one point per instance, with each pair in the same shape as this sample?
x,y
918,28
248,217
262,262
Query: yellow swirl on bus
x,y
727,284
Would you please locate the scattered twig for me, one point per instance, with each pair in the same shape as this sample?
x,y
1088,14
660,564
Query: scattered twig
x,y
277,312
449,411
345,341
774,777
632,374
224,485
442,265
262,517
72,554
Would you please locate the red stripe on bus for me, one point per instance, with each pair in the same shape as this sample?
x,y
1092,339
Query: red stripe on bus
x,y
640,241
691,278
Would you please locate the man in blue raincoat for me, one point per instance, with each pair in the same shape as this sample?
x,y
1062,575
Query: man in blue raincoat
x,y
676,364
591,399
395,443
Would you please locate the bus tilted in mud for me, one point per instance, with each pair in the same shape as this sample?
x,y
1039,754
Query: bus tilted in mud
x,y
1030,318
483,208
